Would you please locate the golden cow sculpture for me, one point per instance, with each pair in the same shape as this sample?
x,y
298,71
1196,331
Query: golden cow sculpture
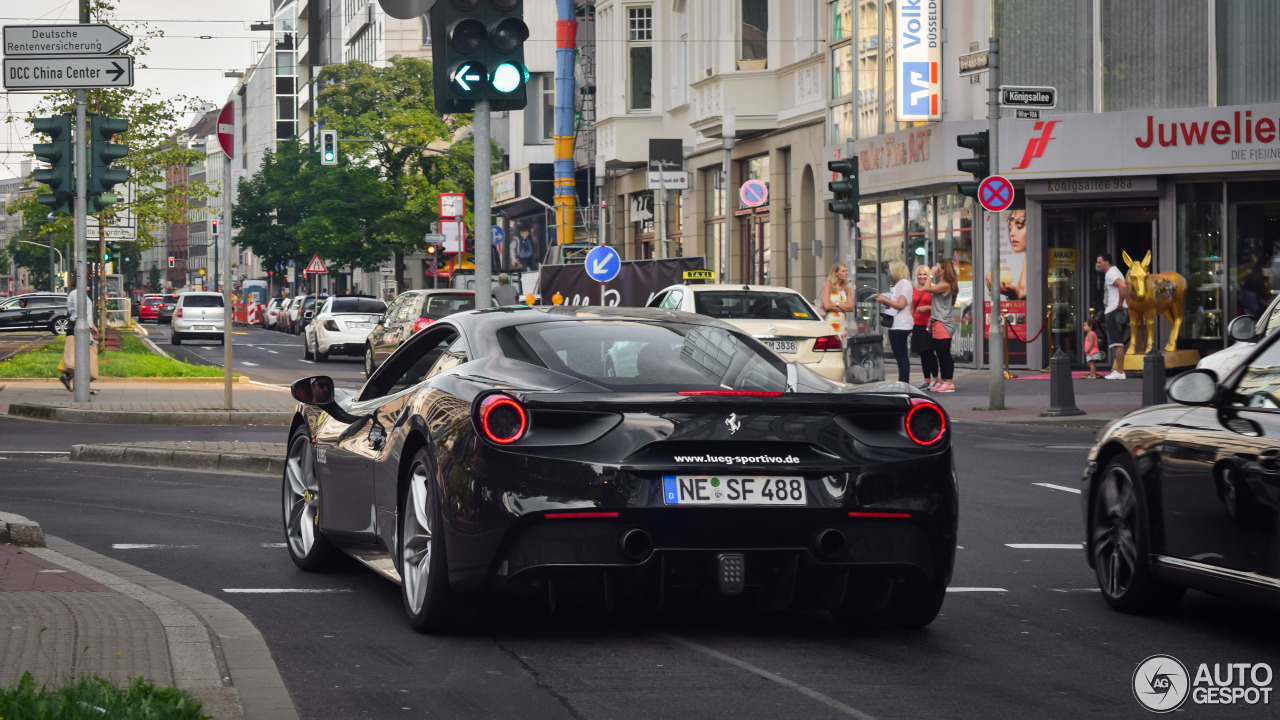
x,y
1151,295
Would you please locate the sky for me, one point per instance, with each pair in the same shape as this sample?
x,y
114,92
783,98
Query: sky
x,y
202,41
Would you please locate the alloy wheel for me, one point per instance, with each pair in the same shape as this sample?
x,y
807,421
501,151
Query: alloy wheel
x,y
415,539
1115,532
61,325
368,362
302,496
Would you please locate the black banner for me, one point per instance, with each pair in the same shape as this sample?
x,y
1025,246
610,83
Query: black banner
x,y
637,282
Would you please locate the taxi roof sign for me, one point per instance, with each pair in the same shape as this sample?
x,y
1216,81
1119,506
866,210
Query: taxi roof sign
x,y
699,275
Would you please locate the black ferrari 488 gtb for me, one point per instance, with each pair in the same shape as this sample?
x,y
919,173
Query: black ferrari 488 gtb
x,y
627,456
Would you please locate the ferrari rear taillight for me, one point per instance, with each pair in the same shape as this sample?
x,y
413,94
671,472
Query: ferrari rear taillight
x,y
926,423
502,419
422,322
731,393
830,343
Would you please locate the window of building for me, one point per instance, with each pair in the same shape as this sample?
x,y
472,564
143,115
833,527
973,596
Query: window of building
x,y
640,57
841,123
1154,64
842,71
426,30
888,84
754,48
867,42
1248,56
1200,261
680,68
841,20
540,113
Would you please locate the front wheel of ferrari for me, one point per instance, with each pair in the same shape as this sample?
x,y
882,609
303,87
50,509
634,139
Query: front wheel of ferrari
x,y
368,362
309,548
1119,538
424,573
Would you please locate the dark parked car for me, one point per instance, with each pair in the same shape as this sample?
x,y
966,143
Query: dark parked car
x,y
493,453
410,312
34,311
168,304
1188,495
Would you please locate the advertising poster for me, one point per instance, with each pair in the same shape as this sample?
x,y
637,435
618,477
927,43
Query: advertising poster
x,y
1011,227
918,46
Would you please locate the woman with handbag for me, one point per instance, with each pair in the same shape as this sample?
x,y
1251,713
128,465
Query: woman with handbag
x,y
898,302
836,299
921,340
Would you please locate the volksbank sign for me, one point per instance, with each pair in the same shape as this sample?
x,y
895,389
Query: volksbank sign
x,y
918,42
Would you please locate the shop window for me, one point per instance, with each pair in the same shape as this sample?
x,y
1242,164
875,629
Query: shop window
x,y
1253,232
1200,262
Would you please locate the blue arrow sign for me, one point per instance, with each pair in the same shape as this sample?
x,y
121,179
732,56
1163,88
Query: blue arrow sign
x,y
496,235
603,263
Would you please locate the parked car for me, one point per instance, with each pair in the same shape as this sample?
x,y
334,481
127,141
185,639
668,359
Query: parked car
x,y
410,312
779,317
286,307
1226,360
149,309
199,314
272,313
1186,496
461,471
168,305
35,311
341,327
306,312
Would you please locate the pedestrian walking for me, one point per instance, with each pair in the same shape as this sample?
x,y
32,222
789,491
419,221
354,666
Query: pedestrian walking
x,y
505,293
69,350
1115,314
836,299
898,305
1092,351
943,286
921,340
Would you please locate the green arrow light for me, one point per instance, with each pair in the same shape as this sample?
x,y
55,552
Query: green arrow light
x,y
461,77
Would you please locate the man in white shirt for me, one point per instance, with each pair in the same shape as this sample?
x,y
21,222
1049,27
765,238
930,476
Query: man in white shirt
x,y
1114,313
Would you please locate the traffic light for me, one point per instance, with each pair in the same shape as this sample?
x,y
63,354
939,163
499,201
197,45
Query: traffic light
x,y
483,43
213,227
60,175
845,190
103,152
106,254
979,165
328,147
170,261
434,252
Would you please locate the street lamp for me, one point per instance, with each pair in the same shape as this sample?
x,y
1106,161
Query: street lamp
x,y
728,130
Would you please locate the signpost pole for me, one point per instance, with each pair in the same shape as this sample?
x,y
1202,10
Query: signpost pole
x,y
82,281
662,205
995,341
226,281
730,127
484,203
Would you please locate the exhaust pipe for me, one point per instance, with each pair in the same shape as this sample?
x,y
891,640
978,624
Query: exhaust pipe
x,y
635,544
829,543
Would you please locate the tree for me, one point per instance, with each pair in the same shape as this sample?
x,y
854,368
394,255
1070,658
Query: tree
x,y
394,109
270,204
153,280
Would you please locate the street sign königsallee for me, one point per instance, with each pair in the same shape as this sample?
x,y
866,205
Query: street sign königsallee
x,y
59,73
1041,98
62,40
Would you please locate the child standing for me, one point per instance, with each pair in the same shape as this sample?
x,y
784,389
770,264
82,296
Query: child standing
x,y
1092,352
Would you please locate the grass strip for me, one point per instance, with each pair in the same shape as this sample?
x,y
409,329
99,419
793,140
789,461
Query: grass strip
x,y
134,359
94,697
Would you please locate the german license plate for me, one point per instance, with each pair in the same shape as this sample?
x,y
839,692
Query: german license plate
x,y
204,327
726,490
782,346
359,325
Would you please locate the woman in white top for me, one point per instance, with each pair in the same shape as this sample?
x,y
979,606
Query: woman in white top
x,y
898,302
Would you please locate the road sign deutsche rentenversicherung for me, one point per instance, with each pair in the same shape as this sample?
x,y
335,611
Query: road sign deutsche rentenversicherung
x,y
64,57
62,40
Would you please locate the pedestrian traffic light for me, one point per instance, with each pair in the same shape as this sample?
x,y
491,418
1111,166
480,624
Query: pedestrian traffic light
x,y
60,175
103,152
483,42
328,147
979,165
844,190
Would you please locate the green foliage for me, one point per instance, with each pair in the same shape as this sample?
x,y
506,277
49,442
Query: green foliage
x,y
134,359
153,280
271,203
97,698
33,257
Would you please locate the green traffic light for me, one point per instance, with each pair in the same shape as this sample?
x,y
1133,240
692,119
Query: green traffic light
x,y
507,77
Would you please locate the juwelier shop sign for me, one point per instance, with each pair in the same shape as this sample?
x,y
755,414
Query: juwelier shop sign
x,y
1125,144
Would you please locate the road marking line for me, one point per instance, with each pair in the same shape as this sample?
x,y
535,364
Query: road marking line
x,y
264,591
774,677
273,352
233,332
150,546
272,545
1067,447
37,452
1070,590
1063,488
202,347
1045,546
974,589
306,361
248,364
269,385
53,571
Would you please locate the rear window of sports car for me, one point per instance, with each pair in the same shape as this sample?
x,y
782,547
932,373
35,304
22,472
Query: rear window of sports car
x,y
653,357
752,305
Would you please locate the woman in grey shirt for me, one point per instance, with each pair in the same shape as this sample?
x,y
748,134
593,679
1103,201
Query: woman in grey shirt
x,y
942,323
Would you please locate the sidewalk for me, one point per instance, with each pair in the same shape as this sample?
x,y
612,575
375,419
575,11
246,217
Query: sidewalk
x,y
1028,396
148,403
67,612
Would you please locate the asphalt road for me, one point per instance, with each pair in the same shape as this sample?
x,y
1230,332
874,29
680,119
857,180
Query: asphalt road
x,y
1024,634
264,355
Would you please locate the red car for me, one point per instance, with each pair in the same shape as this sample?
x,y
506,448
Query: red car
x,y
150,309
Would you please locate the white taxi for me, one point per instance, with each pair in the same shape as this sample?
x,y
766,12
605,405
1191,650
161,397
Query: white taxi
x,y
779,317
341,327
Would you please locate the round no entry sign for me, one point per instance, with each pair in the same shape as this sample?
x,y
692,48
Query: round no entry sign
x,y
995,193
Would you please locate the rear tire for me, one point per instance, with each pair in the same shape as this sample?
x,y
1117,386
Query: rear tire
x,y
1120,544
175,339
320,356
430,603
306,349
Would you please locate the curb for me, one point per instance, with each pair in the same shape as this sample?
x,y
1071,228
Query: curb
x,y
17,530
188,459
147,417
240,380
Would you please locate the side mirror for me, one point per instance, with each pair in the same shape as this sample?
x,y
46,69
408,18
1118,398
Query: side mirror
x,y
316,390
1197,387
1242,329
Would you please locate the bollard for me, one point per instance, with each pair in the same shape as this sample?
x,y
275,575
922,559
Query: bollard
x,y
1153,379
1062,394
